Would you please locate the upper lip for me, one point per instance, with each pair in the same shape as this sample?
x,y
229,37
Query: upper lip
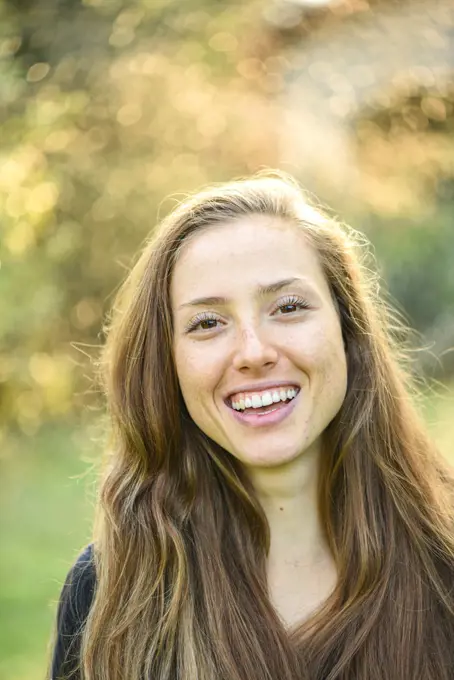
x,y
259,387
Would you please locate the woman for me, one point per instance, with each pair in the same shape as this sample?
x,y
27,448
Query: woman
x,y
273,508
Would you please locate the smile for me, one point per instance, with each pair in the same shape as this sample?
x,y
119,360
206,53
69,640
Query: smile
x,y
242,401
268,414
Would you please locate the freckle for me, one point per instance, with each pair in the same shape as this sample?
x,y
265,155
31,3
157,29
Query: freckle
x,y
281,508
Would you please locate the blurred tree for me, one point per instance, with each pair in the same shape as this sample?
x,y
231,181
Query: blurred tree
x,y
106,108
405,149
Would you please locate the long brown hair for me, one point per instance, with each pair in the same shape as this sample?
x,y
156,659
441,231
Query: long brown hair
x,y
181,540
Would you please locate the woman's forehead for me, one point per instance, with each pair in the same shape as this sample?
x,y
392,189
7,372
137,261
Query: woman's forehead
x,y
251,235
247,251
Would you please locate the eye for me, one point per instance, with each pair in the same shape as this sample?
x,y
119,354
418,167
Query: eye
x,y
206,321
292,301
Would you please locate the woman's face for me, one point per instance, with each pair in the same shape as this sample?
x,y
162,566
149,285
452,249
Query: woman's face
x,y
256,327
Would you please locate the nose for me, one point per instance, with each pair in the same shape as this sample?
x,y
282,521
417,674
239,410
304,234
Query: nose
x,y
254,352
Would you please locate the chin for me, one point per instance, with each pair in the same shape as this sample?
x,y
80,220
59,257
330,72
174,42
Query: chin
x,y
272,457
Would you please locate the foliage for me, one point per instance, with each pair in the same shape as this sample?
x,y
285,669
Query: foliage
x,y
109,110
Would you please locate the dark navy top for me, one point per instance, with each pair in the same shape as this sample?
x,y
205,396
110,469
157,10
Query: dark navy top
x,y
75,601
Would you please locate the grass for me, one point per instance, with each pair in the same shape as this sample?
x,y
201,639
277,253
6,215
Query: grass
x,y
45,517
46,510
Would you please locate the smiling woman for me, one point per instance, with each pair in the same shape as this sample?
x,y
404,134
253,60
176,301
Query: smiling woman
x,y
262,336
272,508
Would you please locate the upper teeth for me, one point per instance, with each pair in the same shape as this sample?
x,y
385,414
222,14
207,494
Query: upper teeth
x,y
243,401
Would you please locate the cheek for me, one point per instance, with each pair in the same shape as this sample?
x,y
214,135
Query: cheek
x,y
316,342
325,355
195,373
197,377
334,372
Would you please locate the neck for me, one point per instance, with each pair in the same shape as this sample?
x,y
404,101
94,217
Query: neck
x,y
288,495
300,568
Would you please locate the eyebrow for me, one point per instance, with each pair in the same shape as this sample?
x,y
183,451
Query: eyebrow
x,y
262,291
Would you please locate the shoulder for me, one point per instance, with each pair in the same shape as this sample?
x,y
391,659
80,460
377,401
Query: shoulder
x,y
74,605
78,590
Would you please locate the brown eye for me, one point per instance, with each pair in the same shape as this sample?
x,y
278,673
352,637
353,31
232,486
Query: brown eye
x,y
287,308
204,322
292,304
207,321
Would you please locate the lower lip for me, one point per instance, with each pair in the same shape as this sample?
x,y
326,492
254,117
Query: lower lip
x,y
264,419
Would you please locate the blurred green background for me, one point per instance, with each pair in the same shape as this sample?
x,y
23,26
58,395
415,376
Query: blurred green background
x,y
111,110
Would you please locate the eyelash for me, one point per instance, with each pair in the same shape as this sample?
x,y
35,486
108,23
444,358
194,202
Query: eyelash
x,y
291,300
